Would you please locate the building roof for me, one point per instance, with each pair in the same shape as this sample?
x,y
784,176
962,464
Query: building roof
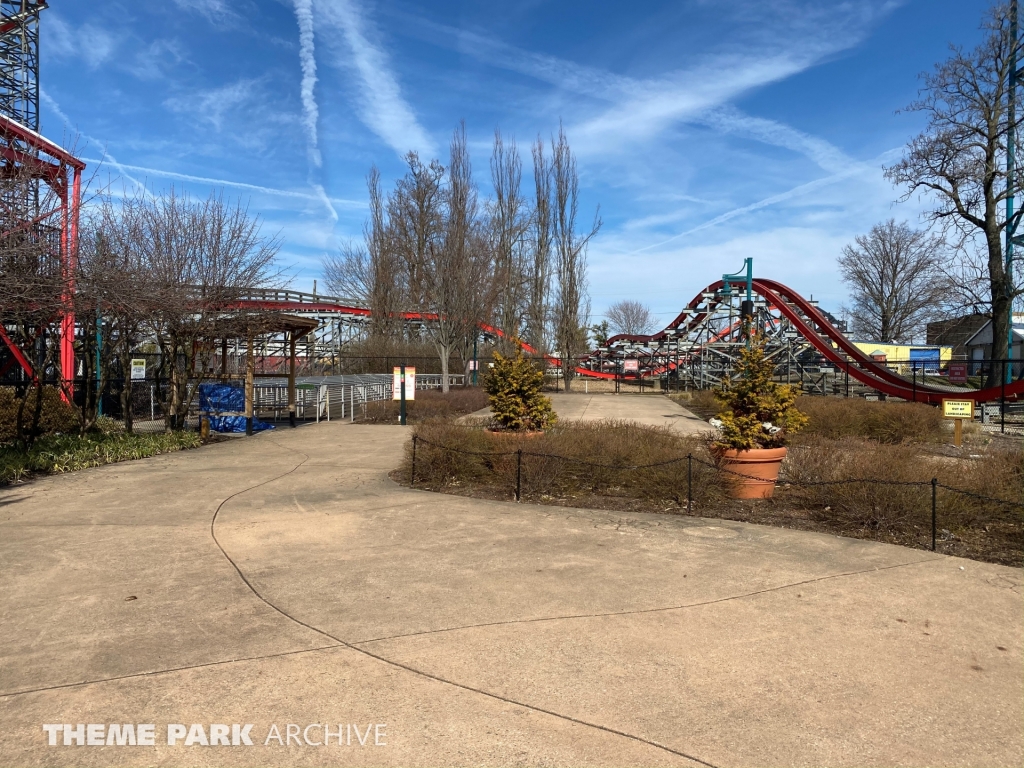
x,y
984,334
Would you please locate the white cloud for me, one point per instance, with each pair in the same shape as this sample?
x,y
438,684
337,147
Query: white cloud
x,y
68,126
93,44
643,108
216,11
382,107
307,60
213,105
318,196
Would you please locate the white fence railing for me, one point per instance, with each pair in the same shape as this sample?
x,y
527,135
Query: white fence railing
x,y
338,397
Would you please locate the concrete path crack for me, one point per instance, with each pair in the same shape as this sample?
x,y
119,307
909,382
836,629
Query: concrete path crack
x,y
411,669
641,611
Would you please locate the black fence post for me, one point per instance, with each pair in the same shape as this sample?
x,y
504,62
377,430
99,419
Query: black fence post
x,y
935,488
1002,399
847,377
689,482
412,470
519,473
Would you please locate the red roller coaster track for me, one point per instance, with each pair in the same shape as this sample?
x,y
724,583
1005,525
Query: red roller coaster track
x,y
804,317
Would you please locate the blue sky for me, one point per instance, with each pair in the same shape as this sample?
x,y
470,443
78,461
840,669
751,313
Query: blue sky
x,y
707,131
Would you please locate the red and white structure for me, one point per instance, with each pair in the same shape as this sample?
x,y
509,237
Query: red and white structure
x,y
26,152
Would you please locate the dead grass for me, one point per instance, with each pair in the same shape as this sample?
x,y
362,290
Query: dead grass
x,y
430,404
571,459
891,423
598,469
702,402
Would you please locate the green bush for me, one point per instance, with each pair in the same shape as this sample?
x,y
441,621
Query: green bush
x,y
56,454
761,411
514,385
56,416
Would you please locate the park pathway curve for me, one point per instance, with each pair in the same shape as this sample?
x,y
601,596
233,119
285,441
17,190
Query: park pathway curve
x,y
285,579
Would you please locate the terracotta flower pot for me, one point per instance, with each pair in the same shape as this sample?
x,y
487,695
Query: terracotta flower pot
x,y
756,471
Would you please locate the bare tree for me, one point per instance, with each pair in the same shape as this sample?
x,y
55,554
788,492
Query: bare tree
x,y
348,273
112,297
416,220
386,289
447,273
510,222
630,317
958,162
540,269
200,256
572,304
895,281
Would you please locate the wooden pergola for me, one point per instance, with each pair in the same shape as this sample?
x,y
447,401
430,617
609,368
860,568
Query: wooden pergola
x,y
248,326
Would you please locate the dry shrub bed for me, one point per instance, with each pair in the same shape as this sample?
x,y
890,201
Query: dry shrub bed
x,y
485,466
892,509
839,417
430,404
576,460
891,423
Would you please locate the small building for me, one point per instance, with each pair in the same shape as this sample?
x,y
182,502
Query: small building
x,y
979,345
955,332
922,357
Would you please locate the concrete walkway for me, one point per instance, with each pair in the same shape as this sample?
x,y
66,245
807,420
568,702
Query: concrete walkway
x,y
284,579
653,410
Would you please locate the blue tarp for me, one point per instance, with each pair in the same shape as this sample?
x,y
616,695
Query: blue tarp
x,y
226,399
236,424
218,398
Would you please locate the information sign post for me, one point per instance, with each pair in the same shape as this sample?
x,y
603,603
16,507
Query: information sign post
x,y
958,410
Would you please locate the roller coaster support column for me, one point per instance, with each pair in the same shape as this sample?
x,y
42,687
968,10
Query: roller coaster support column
x,y
69,248
291,377
250,381
747,307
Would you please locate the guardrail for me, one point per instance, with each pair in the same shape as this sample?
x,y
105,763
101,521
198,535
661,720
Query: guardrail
x,y
339,397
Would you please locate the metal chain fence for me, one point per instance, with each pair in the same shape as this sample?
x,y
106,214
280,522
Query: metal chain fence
x,y
932,485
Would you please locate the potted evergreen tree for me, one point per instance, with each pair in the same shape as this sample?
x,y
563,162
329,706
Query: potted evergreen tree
x,y
761,416
514,386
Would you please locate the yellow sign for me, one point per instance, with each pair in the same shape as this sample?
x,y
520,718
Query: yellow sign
x,y
410,383
958,409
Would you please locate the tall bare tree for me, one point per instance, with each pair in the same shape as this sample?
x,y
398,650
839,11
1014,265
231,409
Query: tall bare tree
x,y
510,222
571,309
630,317
896,282
958,162
540,269
447,272
416,217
